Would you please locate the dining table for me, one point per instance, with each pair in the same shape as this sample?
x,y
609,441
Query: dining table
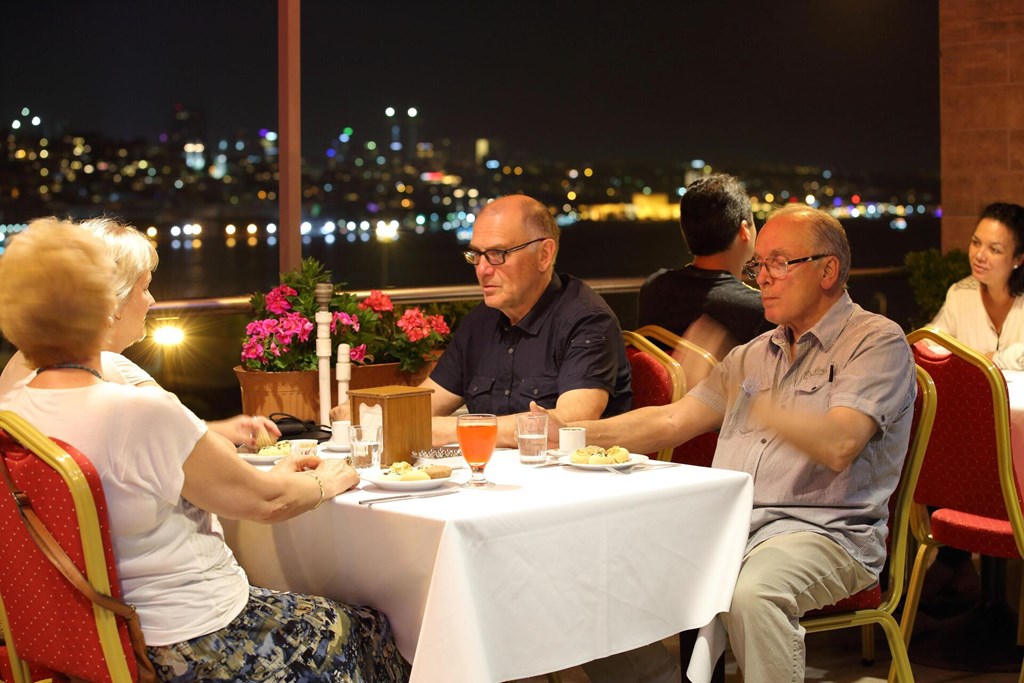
x,y
551,567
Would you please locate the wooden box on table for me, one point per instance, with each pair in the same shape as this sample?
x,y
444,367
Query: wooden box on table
x,y
405,417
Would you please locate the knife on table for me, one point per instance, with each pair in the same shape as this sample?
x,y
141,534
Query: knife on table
x,y
407,496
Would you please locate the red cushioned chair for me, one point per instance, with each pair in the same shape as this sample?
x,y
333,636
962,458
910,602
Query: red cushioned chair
x,y
695,363
657,379
871,606
47,620
969,478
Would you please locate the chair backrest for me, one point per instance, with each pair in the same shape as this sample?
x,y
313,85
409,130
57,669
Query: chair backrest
x,y
695,363
694,360
48,621
901,502
969,467
657,380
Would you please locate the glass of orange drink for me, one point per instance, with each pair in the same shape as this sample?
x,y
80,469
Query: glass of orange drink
x,y
477,433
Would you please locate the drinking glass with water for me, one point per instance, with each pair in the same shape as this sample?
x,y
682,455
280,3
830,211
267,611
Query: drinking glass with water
x,y
532,434
365,442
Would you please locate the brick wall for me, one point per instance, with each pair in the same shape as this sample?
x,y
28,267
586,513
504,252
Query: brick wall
x,y
981,80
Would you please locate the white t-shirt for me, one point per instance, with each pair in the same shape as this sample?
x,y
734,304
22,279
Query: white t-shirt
x,y
115,368
171,556
963,316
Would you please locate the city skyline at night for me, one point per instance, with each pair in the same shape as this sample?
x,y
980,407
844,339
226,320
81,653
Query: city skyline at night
x,y
845,85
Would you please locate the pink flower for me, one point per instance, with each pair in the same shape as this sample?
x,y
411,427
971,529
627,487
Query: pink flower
x,y
345,319
357,353
277,303
294,325
253,350
377,301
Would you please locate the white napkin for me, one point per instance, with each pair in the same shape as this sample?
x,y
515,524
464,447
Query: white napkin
x,y
372,416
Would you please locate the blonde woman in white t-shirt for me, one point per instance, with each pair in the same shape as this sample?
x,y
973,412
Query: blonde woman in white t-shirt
x,y
136,259
165,475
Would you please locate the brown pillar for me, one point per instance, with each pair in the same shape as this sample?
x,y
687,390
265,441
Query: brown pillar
x,y
289,119
981,80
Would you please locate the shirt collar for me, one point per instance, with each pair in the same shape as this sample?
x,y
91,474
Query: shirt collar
x,y
533,321
826,330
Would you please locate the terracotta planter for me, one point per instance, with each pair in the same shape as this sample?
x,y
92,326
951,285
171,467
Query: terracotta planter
x,y
298,393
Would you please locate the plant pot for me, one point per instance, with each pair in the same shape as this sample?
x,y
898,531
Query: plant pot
x,y
298,393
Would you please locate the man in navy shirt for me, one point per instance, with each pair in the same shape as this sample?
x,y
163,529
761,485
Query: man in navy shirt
x,y
537,336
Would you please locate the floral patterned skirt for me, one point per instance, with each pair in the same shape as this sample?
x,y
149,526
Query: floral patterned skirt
x,y
288,638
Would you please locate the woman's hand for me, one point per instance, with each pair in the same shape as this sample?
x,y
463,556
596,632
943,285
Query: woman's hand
x,y
243,430
335,474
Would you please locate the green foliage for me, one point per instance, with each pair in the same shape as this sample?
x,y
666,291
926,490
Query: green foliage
x,y
931,274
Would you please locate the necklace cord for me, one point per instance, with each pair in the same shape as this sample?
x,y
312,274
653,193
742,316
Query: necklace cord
x,y
71,366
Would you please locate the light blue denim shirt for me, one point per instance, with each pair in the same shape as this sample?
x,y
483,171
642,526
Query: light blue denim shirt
x,y
850,358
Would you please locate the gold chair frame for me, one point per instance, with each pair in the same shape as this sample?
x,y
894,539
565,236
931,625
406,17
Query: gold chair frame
x,y
898,548
675,372
92,547
920,520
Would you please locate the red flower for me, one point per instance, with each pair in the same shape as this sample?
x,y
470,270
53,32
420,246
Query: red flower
x,y
414,324
377,301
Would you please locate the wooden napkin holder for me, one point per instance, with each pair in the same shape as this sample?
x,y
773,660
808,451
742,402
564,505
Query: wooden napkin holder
x,y
405,416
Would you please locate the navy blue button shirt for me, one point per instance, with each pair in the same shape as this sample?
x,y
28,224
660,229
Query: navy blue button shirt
x,y
569,340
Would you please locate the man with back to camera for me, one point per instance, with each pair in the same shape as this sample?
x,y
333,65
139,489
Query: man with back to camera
x,y
818,411
538,335
718,228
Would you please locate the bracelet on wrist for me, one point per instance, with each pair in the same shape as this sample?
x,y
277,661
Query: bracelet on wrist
x,y
321,485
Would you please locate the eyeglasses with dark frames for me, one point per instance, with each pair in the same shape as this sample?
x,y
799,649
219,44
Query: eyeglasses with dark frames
x,y
496,257
777,266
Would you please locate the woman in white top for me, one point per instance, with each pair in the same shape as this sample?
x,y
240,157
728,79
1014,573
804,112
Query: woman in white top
x,y
986,309
165,476
136,259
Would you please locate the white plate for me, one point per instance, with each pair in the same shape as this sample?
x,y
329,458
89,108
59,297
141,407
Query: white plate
x,y
335,448
257,459
374,477
634,458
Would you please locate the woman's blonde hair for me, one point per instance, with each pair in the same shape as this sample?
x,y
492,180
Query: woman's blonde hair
x,y
56,293
132,251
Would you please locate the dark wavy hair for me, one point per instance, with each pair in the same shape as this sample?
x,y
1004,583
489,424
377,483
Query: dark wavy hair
x,y
710,213
1012,216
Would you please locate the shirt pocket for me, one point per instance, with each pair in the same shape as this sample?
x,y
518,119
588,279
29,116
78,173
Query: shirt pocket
x,y
543,390
478,395
812,394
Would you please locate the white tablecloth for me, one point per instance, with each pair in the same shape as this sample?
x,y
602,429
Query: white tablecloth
x,y
550,568
1015,394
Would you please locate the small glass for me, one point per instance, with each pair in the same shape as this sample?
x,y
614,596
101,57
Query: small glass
x,y
478,434
365,442
532,435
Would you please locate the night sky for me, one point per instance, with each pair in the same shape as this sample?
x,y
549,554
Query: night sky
x,y
850,84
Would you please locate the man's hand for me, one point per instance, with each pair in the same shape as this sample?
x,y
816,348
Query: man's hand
x,y
554,422
342,412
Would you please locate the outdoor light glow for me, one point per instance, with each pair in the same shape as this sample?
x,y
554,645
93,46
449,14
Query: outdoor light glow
x,y
412,112
389,112
230,230
168,335
251,228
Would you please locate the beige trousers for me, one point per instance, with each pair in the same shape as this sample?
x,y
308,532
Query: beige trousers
x,y
780,580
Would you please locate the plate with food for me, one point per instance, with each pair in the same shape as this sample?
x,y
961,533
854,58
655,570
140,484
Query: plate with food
x,y
402,476
267,455
597,458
